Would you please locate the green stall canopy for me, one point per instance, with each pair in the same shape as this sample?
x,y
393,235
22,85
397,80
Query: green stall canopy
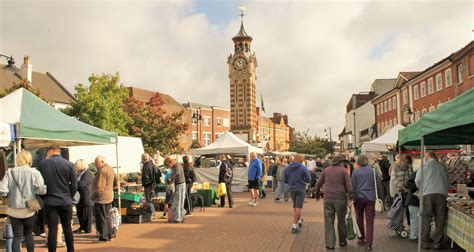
x,y
41,125
450,124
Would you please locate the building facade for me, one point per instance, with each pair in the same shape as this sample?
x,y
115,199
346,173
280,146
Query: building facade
x,y
417,93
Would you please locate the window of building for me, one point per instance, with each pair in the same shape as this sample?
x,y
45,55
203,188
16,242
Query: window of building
x,y
460,73
194,135
395,121
430,86
219,122
405,97
415,92
390,123
207,121
394,102
439,82
183,138
218,136
207,138
422,89
226,122
194,120
389,105
447,78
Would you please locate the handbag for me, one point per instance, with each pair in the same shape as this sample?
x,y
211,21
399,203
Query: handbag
x,y
378,202
32,204
351,235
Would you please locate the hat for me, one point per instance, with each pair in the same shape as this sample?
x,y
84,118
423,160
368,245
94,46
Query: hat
x,y
338,159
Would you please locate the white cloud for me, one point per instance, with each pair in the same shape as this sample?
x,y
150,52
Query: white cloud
x,y
312,55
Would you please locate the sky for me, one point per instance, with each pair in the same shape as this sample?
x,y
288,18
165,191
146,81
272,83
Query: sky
x,y
312,55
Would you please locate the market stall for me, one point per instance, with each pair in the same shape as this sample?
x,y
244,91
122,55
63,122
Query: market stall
x,y
452,123
228,143
384,143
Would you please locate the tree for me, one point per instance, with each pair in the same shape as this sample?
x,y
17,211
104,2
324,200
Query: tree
x,y
302,142
26,85
160,131
101,104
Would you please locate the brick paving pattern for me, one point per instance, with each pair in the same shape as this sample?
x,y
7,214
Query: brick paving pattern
x,y
243,228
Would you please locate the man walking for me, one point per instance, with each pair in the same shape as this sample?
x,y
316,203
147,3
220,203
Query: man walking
x,y
177,175
103,195
61,182
150,176
384,168
296,176
337,192
226,171
434,193
254,175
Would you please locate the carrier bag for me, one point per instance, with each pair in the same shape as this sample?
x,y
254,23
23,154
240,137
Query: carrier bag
x,y
221,190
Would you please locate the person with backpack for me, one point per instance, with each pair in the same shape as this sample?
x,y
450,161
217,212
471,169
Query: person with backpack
x,y
226,173
150,176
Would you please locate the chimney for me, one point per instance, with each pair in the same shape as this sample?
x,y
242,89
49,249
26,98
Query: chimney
x,y
26,70
285,118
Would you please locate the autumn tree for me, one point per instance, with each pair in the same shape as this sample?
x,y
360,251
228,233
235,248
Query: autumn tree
x,y
302,142
101,104
159,130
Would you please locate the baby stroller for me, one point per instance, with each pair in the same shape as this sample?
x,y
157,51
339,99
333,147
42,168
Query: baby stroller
x,y
395,217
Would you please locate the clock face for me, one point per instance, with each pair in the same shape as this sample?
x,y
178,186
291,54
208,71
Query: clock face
x,y
239,63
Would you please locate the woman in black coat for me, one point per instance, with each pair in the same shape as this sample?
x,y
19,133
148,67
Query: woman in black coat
x,y
84,206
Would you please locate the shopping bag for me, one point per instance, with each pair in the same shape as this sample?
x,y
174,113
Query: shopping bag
x,y
221,191
354,223
351,235
379,206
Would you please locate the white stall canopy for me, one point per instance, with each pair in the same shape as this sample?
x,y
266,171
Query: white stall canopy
x,y
381,143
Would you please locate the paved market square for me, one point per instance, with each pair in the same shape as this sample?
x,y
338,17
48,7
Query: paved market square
x,y
242,228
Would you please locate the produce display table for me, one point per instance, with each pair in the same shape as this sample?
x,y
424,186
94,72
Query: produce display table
x,y
460,229
129,196
209,196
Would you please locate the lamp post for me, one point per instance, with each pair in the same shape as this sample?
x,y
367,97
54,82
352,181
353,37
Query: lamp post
x,y
409,112
330,135
10,67
354,131
197,116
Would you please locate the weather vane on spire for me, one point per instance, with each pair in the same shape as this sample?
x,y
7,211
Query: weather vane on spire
x,y
242,14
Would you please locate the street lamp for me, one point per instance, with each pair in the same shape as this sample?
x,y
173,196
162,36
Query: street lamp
x,y
198,117
330,135
10,67
409,112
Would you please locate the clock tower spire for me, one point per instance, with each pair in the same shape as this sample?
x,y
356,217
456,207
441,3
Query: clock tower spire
x,y
242,74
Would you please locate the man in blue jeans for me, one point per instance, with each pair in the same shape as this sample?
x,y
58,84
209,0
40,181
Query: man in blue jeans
x,y
296,176
61,183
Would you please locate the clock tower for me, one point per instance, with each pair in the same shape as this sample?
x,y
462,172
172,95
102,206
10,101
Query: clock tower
x,y
242,74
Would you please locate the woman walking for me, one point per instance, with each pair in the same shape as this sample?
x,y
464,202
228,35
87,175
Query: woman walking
x,y
364,182
84,206
22,184
190,177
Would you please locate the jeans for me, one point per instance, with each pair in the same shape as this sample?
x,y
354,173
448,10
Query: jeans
x,y
433,205
65,215
103,220
282,191
188,204
228,188
84,214
387,200
367,207
414,210
23,227
261,188
177,204
333,208
148,194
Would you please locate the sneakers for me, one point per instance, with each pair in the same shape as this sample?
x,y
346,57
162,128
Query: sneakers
x,y
251,202
300,222
295,230
254,204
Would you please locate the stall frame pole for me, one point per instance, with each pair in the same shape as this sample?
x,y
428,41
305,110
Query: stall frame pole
x,y
421,188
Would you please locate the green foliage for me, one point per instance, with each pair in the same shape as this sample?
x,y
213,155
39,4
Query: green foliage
x,y
101,104
160,131
302,142
195,144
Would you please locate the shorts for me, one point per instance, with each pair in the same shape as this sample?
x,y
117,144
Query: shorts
x,y
253,184
169,196
297,196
